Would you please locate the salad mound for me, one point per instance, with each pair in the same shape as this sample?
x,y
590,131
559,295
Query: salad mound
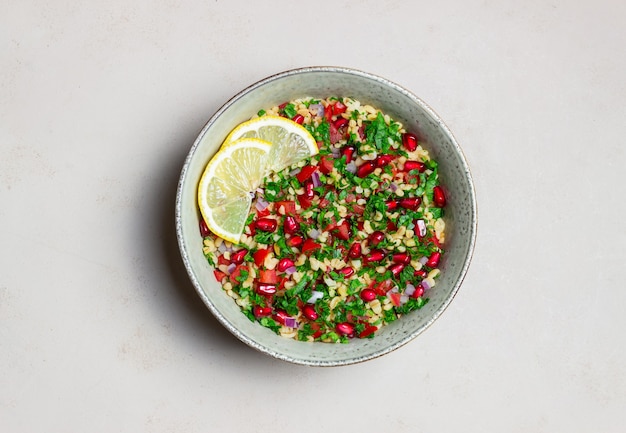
x,y
343,242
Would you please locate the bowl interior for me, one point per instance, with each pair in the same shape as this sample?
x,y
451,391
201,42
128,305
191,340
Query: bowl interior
x,y
401,105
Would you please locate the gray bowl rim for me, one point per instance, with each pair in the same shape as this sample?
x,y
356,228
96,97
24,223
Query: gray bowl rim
x,y
342,70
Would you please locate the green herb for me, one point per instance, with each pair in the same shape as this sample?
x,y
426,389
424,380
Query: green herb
x,y
290,110
261,113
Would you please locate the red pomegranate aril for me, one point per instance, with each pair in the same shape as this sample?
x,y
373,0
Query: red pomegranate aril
x,y
347,272
259,311
355,250
383,160
345,328
281,316
396,269
368,295
295,241
420,273
309,312
414,165
409,141
284,264
204,229
365,169
298,118
433,260
419,291
411,203
391,205
348,152
341,122
376,238
238,256
291,226
403,258
439,196
374,256
308,190
265,289
266,224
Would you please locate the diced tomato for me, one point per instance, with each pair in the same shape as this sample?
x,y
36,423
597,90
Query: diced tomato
x,y
435,241
369,330
234,275
310,245
219,275
317,329
395,298
343,230
268,276
260,255
305,173
289,206
304,201
328,113
263,213
358,209
326,164
381,288
221,260
324,203
339,107
334,134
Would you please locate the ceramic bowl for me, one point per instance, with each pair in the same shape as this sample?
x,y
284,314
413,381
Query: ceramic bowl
x,y
400,104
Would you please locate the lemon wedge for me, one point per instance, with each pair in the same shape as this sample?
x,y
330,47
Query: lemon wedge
x,y
291,142
228,183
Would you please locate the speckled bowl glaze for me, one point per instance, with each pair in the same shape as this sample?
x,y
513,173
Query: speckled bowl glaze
x,y
400,104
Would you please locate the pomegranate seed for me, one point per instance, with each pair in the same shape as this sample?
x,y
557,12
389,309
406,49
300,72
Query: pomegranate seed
x,y
355,250
238,256
368,295
309,312
383,160
376,238
308,190
298,118
420,273
259,311
291,226
409,141
419,291
365,169
374,256
281,316
345,328
204,229
347,272
295,241
341,122
411,203
433,260
396,269
284,264
391,205
265,289
348,152
266,224
403,258
439,197
414,165
391,226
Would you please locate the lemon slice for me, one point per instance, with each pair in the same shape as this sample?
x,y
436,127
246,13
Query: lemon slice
x,y
228,183
291,142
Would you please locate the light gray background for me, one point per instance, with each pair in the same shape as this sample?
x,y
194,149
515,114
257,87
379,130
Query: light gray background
x,y
100,329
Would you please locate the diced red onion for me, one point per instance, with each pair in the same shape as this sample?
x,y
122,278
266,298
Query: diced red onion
x,y
410,289
295,171
315,178
335,151
315,295
393,187
425,284
351,167
290,322
222,248
261,204
318,109
421,226
314,234
231,268
290,270
404,298
423,260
